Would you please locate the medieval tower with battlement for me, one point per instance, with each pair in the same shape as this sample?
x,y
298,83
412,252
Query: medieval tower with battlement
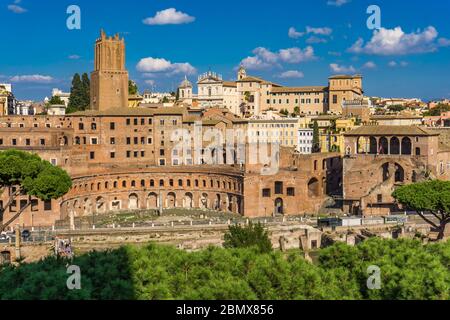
x,y
109,80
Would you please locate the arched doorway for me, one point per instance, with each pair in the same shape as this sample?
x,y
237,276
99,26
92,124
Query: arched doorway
x,y
171,201
395,146
188,201
385,174
152,201
75,208
100,205
133,202
204,201
229,203
384,146
406,146
87,207
399,173
218,203
279,206
313,188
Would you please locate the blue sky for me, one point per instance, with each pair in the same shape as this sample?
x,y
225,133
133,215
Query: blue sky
x,y
408,57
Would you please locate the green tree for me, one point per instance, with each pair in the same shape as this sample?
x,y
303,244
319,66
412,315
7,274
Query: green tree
x,y
29,175
55,100
86,90
247,96
284,112
396,108
252,235
77,99
428,197
132,87
438,110
316,138
409,271
297,111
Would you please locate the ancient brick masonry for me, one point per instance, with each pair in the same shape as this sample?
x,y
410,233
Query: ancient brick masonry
x,y
380,158
124,159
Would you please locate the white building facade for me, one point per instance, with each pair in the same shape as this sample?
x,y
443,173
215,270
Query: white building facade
x,y
305,141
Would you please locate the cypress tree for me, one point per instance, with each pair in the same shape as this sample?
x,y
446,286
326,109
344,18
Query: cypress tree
x,y
86,84
76,95
316,138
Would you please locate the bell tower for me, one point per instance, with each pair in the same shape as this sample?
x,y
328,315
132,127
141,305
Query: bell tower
x,y
242,73
109,80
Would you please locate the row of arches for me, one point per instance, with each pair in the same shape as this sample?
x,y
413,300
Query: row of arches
x,y
151,201
386,146
230,185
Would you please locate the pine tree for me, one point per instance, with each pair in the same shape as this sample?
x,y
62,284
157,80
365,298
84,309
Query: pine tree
x,y
316,138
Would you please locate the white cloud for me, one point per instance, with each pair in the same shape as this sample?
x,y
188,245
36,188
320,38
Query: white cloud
x,y
266,55
291,74
294,34
255,63
337,3
444,42
297,55
150,82
394,64
336,68
35,78
389,42
325,31
159,65
74,57
369,65
335,53
264,58
322,31
169,16
315,39
16,8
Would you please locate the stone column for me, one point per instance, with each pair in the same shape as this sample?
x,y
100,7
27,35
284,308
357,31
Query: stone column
x,y
17,244
389,146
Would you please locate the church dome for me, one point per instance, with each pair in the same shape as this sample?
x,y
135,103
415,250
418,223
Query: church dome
x,y
186,83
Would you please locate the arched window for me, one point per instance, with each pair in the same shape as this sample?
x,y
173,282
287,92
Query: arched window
x,y
406,146
395,146
399,173
384,146
373,146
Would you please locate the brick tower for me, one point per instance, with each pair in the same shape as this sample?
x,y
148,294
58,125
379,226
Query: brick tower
x,y
109,80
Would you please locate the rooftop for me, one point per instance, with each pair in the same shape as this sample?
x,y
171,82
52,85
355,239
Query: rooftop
x,y
390,131
345,76
115,112
299,89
